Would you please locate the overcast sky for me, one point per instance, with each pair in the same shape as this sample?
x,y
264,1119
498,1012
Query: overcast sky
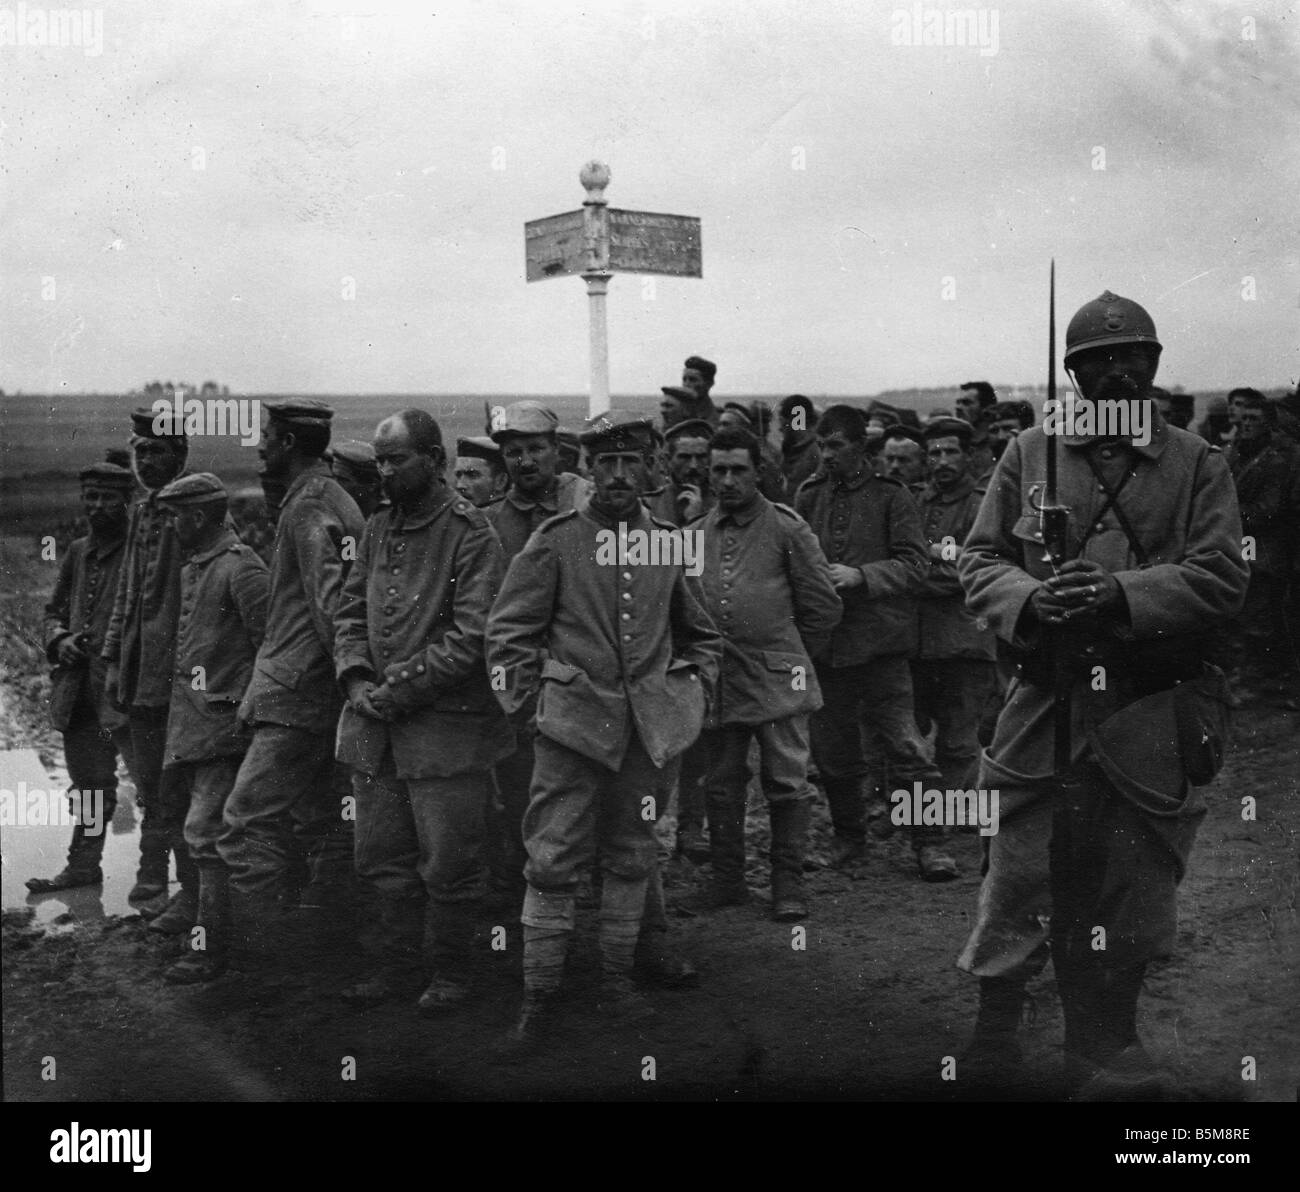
x,y
405,150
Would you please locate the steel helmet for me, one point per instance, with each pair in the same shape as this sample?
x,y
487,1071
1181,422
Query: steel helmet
x,y
1107,320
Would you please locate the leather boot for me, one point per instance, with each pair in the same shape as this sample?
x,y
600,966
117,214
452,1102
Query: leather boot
x,y
789,836
151,877
449,934
83,867
205,956
844,795
392,941
622,904
993,1056
180,914
727,853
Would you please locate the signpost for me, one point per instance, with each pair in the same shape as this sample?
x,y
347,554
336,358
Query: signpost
x,y
598,242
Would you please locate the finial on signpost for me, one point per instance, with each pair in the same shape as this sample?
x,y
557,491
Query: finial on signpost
x,y
594,177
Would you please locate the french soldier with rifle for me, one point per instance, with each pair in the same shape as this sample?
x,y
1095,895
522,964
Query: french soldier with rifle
x,y
1105,561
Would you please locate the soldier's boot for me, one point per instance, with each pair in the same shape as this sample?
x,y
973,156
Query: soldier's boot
x,y
993,1056
181,912
692,842
657,961
1121,1068
726,886
207,944
82,869
392,939
933,861
151,877
622,904
790,819
848,846
449,934
548,921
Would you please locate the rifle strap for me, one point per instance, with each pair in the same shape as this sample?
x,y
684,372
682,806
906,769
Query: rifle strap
x,y
1112,502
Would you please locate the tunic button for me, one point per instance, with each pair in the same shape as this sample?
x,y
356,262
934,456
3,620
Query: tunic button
x,y
419,670
627,595
1099,527
406,674
627,616
395,569
627,637
627,575
392,591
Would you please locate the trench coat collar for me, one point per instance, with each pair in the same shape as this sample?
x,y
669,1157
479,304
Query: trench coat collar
x,y
317,467
742,517
1152,450
640,517
932,494
854,482
222,544
401,524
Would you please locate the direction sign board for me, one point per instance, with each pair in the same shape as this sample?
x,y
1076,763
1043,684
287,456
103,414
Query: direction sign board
x,y
554,246
648,242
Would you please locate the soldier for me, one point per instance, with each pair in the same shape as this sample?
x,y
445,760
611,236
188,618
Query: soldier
x,y
690,399
479,471
685,498
288,782
614,656
1177,409
904,456
76,619
768,588
1263,463
222,621
687,495
421,729
973,398
140,648
953,672
1154,566
870,530
527,435
1006,420
797,415
353,466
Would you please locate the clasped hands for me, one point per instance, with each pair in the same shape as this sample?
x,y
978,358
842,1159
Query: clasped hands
x,y
1079,586
371,699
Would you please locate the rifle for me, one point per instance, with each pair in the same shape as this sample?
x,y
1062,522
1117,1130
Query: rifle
x,y
1054,521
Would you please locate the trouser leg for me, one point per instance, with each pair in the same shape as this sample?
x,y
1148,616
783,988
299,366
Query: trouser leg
x,y
783,772
513,778
560,836
837,747
148,741
726,793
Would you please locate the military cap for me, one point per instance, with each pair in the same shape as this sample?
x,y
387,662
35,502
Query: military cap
x,y
199,489
705,367
899,430
300,411
108,476
679,393
143,419
479,447
947,428
526,418
696,428
354,458
617,430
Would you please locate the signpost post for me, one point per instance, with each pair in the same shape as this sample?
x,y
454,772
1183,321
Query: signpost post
x,y
598,242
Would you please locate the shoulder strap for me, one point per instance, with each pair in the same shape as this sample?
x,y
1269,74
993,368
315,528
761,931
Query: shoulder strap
x,y
1112,502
